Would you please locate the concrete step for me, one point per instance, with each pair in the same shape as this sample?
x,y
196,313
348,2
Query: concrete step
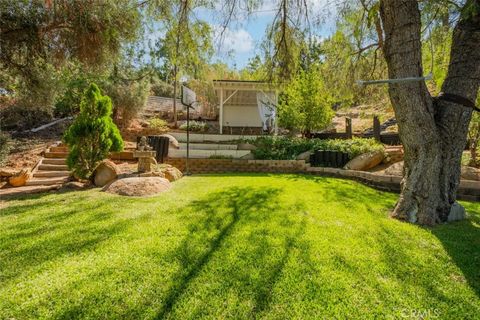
x,y
56,154
201,137
179,153
46,181
42,173
208,146
53,167
54,161
58,149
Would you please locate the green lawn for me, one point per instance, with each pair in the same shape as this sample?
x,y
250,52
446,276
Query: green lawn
x,y
234,246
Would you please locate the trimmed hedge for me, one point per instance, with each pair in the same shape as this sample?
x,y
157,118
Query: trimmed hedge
x,y
286,148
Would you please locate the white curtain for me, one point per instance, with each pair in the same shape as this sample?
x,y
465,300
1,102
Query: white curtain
x,y
267,109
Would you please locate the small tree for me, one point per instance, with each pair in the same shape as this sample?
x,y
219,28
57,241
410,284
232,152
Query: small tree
x,y
306,106
93,134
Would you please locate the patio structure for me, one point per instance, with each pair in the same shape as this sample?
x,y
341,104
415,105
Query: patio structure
x,y
246,106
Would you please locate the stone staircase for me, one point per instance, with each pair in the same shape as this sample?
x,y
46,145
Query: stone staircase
x,y
52,169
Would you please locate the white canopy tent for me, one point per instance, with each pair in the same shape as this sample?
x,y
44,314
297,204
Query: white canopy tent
x,y
247,104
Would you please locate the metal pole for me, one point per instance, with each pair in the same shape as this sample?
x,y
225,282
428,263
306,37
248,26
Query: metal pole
x,y
187,173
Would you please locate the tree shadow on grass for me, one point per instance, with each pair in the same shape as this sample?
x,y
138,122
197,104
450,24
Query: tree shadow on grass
x,y
232,220
461,240
49,233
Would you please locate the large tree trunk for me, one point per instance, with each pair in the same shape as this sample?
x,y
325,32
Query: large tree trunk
x,y
433,131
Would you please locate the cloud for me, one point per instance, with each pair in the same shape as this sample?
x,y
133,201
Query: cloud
x,y
237,41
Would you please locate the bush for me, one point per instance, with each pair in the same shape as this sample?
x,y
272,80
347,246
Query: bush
x,y
21,117
4,147
286,148
158,123
92,135
196,126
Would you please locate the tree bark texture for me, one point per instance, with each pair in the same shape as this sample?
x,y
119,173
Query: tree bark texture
x,y
433,131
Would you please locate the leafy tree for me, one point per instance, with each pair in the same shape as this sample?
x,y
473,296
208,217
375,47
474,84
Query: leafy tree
x,y
92,135
306,106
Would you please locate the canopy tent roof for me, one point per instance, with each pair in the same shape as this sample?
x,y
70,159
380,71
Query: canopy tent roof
x,y
240,92
238,95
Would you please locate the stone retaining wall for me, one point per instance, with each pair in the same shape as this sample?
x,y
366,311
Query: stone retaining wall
x,y
239,165
468,190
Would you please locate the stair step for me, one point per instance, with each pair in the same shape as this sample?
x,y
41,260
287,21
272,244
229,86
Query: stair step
x,y
56,154
179,153
53,167
52,174
58,149
207,146
54,161
46,181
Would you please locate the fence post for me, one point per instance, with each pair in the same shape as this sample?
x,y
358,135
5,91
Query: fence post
x,y
376,129
348,128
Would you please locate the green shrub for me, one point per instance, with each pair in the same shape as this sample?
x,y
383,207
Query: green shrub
x,y
4,147
93,134
158,123
196,126
287,148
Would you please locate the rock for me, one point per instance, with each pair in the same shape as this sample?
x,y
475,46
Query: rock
x,y
173,141
246,146
395,169
138,186
470,173
106,172
75,185
365,161
248,156
152,174
171,173
305,156
457,212
7,173
20,179
147,164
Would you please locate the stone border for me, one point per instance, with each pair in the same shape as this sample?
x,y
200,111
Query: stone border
x,y
469,190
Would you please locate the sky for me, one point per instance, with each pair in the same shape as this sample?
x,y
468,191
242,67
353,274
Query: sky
x,y
241,40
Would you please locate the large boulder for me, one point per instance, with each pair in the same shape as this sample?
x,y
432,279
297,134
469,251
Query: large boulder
x,y
105,173
246,146
138,186
457,212
20,178
172,140
470,173
305,156
365,161
395,169
171,173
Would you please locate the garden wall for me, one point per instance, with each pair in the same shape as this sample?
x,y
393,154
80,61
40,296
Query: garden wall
x,y
239,165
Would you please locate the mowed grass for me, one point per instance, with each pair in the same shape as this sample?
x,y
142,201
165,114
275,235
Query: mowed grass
x,y
237,247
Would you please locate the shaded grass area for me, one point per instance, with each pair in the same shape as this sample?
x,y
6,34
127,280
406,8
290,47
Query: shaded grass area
x,y
234,246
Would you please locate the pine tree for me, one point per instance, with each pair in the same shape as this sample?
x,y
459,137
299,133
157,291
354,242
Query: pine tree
x,y
93,134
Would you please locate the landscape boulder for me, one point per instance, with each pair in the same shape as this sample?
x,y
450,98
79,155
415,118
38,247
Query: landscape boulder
x,y
395,169
171,173
365,161
457,212
7,173
470,173
20,179
105,172
173,142
138,186
246,146
305,156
